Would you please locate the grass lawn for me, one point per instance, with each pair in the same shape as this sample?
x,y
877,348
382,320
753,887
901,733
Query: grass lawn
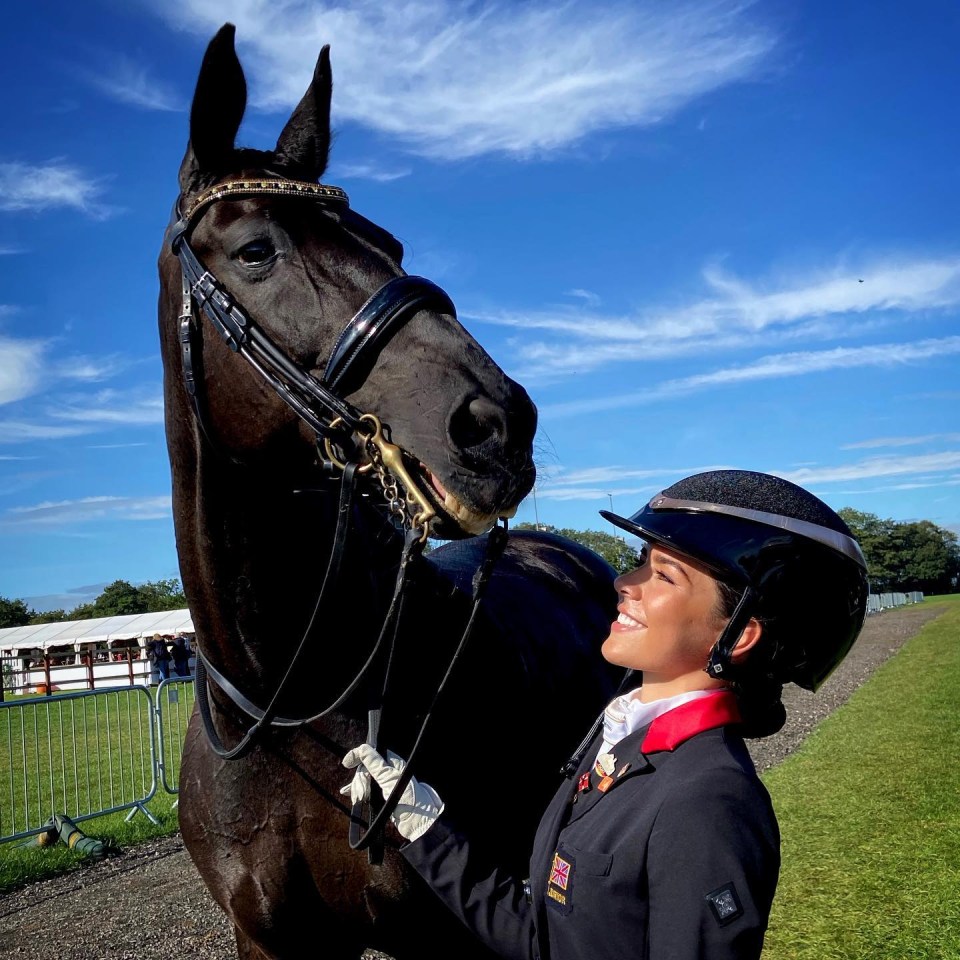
x,y
869,812
80,754
27,864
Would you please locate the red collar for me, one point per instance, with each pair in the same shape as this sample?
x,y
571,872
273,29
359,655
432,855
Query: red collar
x,y
672,728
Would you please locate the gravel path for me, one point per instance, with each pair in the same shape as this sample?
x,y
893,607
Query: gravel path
x,y
148,903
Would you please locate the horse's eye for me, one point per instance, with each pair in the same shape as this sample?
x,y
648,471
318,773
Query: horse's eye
x,y
257,252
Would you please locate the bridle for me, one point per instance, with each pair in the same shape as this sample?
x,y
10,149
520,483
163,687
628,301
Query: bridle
x,y
319,403
322,406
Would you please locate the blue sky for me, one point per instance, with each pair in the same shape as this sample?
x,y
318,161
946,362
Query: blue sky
x,y
701,234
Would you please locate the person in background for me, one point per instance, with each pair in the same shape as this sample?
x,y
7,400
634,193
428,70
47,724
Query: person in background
x,y
180,651
662,840
159,656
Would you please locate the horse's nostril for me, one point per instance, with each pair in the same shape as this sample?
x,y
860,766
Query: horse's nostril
x,y
476,422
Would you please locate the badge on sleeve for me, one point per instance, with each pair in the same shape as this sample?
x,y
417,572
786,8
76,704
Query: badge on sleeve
x,y
725,904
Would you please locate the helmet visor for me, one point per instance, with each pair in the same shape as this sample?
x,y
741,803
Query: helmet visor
x,y
716,535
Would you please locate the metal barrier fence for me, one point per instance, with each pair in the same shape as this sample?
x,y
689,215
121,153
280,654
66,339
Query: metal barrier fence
x,y
102,751
885,601
89,754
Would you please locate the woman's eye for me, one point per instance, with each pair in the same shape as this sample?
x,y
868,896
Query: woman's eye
x,y
256,252
663,576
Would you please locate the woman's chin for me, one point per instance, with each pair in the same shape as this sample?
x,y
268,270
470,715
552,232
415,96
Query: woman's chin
x,y
612,650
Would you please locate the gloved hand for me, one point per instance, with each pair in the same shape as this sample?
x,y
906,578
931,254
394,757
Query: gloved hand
x,y
419,805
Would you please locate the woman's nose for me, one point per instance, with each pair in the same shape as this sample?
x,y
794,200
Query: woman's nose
x,y
628,584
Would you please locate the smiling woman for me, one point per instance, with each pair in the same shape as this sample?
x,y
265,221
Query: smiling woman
x,y
748,582
670,615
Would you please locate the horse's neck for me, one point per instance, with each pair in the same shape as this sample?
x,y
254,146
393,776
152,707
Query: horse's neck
x,y
263,553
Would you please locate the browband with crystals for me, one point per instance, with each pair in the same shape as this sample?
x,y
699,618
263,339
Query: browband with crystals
x,y
812,531
240,188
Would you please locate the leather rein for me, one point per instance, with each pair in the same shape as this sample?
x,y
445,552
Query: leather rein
x,y
319,403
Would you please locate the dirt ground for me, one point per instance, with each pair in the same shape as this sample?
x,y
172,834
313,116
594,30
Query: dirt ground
x,y
149,902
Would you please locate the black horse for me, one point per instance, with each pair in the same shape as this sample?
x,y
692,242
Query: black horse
x,y
308,458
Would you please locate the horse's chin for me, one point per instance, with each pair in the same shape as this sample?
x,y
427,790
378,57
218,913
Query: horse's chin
x,y
455,520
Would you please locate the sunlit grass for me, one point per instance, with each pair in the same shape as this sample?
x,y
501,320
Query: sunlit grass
x,y
869,811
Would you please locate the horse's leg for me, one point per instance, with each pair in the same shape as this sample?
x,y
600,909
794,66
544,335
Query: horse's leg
x,y
246,948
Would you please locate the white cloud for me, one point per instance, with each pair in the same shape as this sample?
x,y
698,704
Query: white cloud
x,y
127,81
49,186
599,483
875,467
86,369
767,368
587,296
66,512
18,431
111,407
26,370
902,441
21,368
742,315
450,80
366,171
611,474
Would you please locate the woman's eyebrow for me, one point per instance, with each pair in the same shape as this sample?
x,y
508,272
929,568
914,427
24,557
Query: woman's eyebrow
x,y
670,562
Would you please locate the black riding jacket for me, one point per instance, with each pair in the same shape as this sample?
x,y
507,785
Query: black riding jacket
x,y
676,856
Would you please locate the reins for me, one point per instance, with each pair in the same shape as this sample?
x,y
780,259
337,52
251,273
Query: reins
x,y
268,717
319,404
496,542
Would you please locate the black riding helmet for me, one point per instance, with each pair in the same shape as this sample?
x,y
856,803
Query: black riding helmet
x,y
793,560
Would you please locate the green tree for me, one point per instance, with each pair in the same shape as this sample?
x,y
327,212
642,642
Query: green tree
x,y
83,611
14,613
875,537
615,550
930,557
49,616
120,599
906,556
163,595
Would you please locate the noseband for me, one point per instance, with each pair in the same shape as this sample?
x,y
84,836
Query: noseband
x,y
321,404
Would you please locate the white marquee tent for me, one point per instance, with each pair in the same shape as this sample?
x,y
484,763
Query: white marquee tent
x,y
41,636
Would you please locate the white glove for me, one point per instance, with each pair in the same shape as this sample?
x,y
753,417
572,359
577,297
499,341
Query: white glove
x,y
419,805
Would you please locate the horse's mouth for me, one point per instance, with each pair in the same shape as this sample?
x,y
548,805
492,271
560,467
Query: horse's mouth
x,y
451,510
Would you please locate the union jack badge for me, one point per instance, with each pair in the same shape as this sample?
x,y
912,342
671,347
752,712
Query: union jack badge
x,y
559,872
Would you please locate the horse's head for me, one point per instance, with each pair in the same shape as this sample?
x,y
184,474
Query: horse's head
x,y
266,250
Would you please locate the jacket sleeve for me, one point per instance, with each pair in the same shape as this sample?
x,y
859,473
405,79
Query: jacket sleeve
x,y
713,863
488,899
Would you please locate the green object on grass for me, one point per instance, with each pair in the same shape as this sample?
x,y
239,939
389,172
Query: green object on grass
x,y
76,839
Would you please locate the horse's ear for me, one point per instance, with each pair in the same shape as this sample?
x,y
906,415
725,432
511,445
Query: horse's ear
x,y
218,105
304,144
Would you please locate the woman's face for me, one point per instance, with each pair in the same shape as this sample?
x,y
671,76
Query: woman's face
x,y
669,620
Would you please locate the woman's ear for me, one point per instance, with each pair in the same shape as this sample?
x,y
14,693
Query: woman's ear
x,y
749,638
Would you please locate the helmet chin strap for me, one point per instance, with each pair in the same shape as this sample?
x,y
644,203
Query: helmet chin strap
x,y
720,662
